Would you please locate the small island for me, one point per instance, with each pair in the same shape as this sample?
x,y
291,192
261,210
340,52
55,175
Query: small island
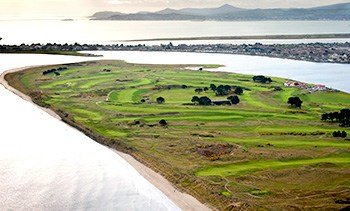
x,y
233,141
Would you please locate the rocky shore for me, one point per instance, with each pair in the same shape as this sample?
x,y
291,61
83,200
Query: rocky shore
x,y
314,52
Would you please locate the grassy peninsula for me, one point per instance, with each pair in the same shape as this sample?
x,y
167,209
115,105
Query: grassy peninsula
x,y
259,153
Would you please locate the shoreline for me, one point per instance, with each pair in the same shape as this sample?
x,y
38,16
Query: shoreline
x,y
312,52
183,200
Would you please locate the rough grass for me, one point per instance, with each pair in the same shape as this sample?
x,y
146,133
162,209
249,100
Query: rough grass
x,y
280,157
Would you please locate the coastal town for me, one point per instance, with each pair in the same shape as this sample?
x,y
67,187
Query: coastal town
x,y
314,52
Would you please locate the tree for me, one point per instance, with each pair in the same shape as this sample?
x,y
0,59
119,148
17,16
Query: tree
x,y
198,90
222,90
324,117
162,122
234,99
238,90
206,89
343,134
343,117
160,100
336,134
295,102
143,100
204,100
195,99
213,87
333,116
262,79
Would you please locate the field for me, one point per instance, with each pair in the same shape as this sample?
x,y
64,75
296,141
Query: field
x,y
259,154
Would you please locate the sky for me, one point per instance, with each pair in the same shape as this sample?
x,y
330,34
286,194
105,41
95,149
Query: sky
x,y
33,8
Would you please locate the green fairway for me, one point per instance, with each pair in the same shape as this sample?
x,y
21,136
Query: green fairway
x,y
253,166
260,153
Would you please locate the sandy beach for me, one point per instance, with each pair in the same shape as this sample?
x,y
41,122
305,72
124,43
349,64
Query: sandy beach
x,y
182,200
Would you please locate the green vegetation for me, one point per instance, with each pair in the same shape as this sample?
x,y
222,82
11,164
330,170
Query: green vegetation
x,y
259,153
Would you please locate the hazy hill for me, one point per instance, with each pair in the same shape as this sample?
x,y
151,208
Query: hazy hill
x,y
343,6
154,16
230,13
208,11
105,14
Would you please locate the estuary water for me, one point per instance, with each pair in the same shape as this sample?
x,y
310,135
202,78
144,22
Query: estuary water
x,y
332,75
107,32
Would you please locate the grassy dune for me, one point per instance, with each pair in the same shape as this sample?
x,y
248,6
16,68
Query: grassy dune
x,y
260,153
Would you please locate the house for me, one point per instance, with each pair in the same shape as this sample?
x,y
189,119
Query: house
x,y
319,87
291,83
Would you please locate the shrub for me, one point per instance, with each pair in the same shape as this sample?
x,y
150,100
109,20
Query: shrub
x,y
163,122
160,100
342,134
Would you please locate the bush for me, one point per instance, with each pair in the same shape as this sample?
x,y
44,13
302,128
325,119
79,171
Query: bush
x,y
262,79
204,101
342,134
163,122
234,99
160,100
295,102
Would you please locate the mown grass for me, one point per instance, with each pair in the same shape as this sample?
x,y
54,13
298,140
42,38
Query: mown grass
x,y
265,144
250,167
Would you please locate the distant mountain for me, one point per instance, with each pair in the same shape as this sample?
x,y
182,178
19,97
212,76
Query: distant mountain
x,y
343,6
105,14
230,13
154,16
203,12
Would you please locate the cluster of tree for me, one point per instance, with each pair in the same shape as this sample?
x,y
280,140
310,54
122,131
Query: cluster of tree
x,y
261,79
339,134
201,100
55,71
343,117
295,102
232,100
223,90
